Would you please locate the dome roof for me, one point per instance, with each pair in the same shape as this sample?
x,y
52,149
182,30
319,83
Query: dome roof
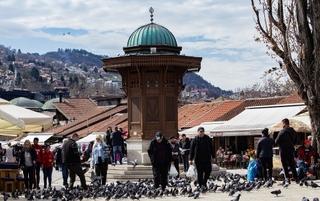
x,y
49,105
26,102
152,35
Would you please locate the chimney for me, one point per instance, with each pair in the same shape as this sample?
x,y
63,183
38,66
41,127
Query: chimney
x,y
60,96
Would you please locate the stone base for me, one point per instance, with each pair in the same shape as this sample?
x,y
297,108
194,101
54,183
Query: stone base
x,y
138,150
127,172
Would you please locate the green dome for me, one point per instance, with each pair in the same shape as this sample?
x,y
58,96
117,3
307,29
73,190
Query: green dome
x,y
152,35
49,105
26,102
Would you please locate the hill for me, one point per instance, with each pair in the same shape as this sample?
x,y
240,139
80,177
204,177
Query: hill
x,y
79,70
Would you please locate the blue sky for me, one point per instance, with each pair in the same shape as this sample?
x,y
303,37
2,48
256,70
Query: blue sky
x,y
220,31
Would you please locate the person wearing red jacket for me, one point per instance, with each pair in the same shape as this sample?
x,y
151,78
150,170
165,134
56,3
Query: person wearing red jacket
x,y
47,165
306,152
39,151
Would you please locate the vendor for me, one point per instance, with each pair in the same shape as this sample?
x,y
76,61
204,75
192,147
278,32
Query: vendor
x,y
10,158
309,156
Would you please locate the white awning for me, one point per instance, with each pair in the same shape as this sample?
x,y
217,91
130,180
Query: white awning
x,y
91,137
253,120
43,137
20,116
208,127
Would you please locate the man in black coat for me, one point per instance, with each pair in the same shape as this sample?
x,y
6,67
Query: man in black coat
x,y
71,158
286,140
160,154
265,154
201,152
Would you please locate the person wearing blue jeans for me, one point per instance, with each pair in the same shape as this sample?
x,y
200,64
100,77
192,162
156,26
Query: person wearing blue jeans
x,y
65,173
117,150
117,143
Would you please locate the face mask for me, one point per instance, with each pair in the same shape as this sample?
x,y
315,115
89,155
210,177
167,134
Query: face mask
x,y
158,138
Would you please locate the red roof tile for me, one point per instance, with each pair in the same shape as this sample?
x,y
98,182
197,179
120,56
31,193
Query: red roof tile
x,y
195,114
75,108
293,98
102,126
88,121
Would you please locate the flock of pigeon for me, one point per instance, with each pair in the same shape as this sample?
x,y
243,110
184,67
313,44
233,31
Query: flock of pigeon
x,y
233,184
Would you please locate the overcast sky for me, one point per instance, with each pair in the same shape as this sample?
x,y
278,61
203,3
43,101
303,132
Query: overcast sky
x,y
220,31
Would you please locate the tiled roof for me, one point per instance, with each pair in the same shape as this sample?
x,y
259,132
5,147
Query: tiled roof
x,y
102,126
191,112
98,119
75,108
194,114
94,112
93,121
294,98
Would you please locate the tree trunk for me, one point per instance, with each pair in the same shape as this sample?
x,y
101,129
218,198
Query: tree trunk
x,y
314,112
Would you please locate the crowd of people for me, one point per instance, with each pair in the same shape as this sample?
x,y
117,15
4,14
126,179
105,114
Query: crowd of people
x,y
301,162
198,152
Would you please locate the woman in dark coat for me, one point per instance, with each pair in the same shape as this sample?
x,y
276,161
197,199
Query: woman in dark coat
x,y
27,164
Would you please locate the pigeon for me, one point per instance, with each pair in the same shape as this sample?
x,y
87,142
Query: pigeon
x,y
314,185
315,199
232,192
5,196
305,199
134,163
276,192
196,195
237,198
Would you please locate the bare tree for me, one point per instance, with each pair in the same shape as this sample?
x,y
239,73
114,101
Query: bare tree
x,y
291,30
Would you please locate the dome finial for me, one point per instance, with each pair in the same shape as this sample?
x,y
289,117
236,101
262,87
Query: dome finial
x,y
151,10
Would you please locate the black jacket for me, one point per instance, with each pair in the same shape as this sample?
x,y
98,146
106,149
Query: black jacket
x,y
186,146
117,139
22,158
152,151
206,144
70,152
108,140
286,140
264,148
175,151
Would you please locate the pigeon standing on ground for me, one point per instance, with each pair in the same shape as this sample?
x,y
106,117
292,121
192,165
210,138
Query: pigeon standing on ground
x,y
237,198
134,163
314,185
276,192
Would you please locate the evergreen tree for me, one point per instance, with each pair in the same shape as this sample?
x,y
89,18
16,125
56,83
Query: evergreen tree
x,y
11,67
18,79
35,73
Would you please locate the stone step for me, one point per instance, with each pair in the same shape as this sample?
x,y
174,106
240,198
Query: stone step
x,y
129,177
119,172
129,167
